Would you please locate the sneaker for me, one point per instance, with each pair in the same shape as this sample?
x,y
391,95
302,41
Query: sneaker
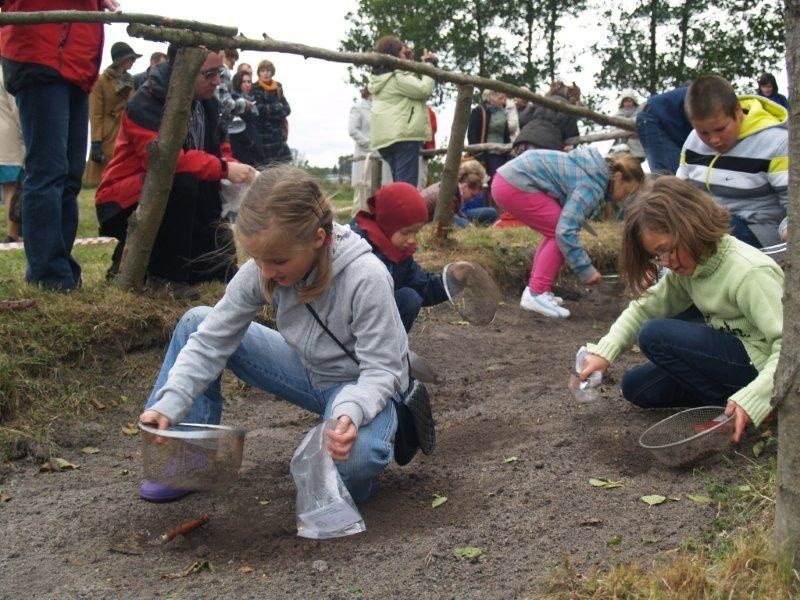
x,y
155,492
542,304
557,299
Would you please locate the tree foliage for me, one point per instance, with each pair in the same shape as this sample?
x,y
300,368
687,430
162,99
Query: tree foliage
x,y
658,44
502,40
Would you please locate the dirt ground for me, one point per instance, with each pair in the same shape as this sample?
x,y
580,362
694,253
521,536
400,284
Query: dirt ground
x,y
84,533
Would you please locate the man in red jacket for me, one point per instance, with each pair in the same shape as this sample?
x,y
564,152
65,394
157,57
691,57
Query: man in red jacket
x,y
192,245
50,69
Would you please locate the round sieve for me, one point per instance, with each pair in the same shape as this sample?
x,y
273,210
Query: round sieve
x,y
688,436
476,297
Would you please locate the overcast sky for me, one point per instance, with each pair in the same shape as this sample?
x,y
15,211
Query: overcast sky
x,y
317,90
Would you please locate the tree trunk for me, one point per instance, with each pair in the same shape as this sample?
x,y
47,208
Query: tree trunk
x,y
443,217
787,377
144,223
652,67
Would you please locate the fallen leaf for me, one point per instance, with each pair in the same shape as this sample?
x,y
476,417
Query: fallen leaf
x,y
130,429
245,569
603,482
758,448
699,498
355,589
490,369
591,521
614,541
97,404
196,567
635,349
744,488
653,499
767,433
56,464
125,472
468,553
510,459
438,500
90,450
264,502
4,497
462,323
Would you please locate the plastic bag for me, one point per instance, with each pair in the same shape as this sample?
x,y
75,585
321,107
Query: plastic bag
x,y
232,196
325,508
584,391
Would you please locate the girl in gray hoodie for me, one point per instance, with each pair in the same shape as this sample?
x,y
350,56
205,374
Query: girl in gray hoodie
x,y
300,261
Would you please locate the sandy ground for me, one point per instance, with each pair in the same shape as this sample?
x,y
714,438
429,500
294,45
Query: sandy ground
x,y
84,533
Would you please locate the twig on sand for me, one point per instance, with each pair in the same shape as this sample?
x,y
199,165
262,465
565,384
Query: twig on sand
x,y
181,529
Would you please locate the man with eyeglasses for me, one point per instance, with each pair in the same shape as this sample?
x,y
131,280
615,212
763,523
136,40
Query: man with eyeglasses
x,y
190,247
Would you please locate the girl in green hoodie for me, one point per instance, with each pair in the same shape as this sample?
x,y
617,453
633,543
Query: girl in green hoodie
x,y
727,360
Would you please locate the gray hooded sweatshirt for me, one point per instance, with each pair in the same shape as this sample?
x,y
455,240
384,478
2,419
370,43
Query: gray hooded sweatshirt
x,y
359,309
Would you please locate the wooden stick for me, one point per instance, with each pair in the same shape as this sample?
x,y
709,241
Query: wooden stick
x,y
183,529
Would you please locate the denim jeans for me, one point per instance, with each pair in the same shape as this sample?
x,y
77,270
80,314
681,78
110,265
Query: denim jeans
x,y
409,302
54,118
741,231
403,159
690,364
264,360
485,215
663,154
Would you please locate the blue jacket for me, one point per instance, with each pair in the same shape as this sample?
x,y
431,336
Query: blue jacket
x,y
667,108
776,97
408,274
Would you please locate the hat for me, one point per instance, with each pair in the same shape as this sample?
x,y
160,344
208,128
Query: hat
x,y
120,52
398,205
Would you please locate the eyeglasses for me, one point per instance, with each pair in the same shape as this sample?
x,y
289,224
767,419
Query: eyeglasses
x,y
210,74
666,255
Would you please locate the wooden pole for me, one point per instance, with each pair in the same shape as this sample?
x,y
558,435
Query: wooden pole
x,y
443,217
163,152
375,174
786,393
192,33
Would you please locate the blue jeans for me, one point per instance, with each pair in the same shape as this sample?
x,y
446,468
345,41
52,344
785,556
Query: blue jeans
x,y
264,360
691,364
54,118
409,302
662,152
741,231
485,215
403,159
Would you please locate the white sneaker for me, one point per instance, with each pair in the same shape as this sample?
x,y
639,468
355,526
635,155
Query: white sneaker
x,y
557,299
542,304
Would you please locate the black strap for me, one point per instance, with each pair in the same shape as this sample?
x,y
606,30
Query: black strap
x,y
330,333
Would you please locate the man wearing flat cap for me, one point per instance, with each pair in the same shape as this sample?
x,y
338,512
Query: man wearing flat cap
x,y
106,103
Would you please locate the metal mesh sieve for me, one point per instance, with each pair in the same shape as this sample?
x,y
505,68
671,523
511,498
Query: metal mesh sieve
x,y
476,298
612,285
192,456
688,436
776,252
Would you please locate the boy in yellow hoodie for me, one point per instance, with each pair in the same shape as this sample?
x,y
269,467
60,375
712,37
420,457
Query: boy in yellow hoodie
x,y
739,153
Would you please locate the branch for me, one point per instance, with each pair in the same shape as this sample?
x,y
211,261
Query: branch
x,y
144,223
82,16
373,59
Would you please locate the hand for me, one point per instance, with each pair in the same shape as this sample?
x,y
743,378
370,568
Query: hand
x,y
461,270
110,5
593,363
594,279
96,153
428,56
740,420
241,173
785,235
342,438
152,417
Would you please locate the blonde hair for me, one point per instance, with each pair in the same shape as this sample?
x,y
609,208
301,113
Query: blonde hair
x,y
471,167
289,202
676,208
627,164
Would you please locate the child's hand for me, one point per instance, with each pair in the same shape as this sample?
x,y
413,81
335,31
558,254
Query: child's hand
x,y
594,279
342,438
241,173
740,420
461,270
152,417
593,363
